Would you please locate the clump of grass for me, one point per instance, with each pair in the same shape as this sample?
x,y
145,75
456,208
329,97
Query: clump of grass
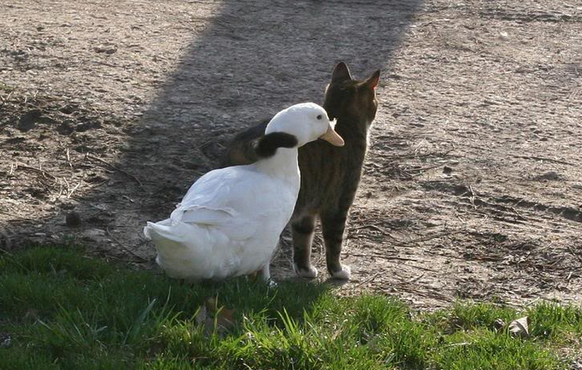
x,y
67,311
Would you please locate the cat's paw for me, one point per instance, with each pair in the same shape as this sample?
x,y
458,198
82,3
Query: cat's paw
x,y
271,284
343,274
310,273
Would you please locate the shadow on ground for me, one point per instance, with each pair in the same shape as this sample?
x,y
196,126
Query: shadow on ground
x,y
251,59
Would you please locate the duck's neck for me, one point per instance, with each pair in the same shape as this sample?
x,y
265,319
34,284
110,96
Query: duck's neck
x,y
283,165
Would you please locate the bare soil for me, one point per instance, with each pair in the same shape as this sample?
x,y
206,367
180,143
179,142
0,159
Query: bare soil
x,y
472,187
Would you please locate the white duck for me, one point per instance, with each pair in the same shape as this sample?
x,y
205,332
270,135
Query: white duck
x,y
229,222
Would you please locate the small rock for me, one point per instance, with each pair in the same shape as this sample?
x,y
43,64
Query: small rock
x,y
447,170
107,49
68,109
550,176
73,219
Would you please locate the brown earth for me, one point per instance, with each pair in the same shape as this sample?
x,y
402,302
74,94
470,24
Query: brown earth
x,y
472,186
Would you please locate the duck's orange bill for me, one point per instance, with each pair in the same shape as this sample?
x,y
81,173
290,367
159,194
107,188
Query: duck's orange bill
x,y
332,137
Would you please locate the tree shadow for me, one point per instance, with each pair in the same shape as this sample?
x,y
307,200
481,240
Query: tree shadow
x,y
253,59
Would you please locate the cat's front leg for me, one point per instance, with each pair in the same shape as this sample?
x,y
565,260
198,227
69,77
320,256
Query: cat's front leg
x,y
303,228
266,275
333,225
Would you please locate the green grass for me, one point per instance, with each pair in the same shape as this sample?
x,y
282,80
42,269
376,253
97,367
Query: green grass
x,y
64,310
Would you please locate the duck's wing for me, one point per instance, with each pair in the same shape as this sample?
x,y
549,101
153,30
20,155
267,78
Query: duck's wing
x,y
214,188
202,215
209,202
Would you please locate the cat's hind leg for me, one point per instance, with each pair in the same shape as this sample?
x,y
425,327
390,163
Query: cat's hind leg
x,y
303,228
333,225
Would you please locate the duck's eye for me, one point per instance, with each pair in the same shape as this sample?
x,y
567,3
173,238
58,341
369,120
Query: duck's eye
x,y
319,116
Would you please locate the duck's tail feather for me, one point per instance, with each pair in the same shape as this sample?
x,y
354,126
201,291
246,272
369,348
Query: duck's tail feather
x,y
162,230
202,215
175,256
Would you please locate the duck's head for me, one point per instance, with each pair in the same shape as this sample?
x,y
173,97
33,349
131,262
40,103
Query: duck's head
x,y
307,122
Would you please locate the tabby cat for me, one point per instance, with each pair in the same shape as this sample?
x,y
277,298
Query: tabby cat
x,y
329,175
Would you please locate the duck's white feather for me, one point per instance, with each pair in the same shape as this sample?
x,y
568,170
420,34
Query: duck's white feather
x,y
224,225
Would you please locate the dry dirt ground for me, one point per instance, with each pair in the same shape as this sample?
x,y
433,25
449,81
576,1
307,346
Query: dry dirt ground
x,y
472,187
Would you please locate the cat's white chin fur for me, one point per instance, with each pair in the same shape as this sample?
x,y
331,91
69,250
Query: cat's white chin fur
x,y
344,274
311,273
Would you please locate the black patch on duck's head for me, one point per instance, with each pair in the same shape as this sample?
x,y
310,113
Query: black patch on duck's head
x,y
267,145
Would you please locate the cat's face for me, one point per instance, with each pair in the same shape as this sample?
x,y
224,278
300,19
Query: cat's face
x,y
346,97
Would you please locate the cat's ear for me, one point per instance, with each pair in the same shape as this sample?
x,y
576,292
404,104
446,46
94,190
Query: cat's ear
x,y
373,80
341,72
